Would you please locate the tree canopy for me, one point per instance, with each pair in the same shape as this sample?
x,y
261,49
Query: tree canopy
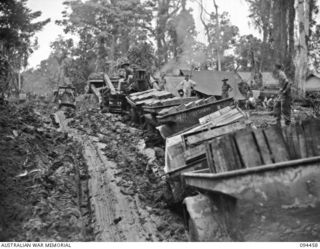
x,y
161,35
17,27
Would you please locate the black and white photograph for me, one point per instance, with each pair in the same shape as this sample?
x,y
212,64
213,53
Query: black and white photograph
x,y
159,121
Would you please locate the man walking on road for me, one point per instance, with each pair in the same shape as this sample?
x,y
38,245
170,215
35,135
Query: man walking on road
x,y
283,103
226,88
186,86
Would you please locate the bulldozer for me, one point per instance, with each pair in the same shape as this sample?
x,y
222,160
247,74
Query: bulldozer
x,y
111,92
108,92
125,85
64,96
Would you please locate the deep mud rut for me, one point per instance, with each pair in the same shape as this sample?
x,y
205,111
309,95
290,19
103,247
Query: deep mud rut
x,y
116,214
117,217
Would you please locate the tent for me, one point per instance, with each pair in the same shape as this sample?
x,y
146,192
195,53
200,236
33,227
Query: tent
x,y
267,78
246,77
210,83
172,83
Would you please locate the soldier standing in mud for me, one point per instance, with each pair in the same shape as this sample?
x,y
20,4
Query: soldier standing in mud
x,y
226,88
283,103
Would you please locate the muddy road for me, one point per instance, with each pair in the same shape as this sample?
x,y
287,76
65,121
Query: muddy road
x,y
42,171
126,190
88,176
90,179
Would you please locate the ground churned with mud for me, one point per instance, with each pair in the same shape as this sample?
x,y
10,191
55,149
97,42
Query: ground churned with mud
x,y
41,177
131,178
91,179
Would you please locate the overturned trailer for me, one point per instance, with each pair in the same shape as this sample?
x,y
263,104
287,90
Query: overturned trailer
x,y
186,151
152,110
184,116
260,185
138,100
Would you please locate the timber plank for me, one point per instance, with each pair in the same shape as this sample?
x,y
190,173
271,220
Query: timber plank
x,y
308,138
195,152
295,141
236,117
290,137
209,156
277,144
221,116
200,137
302,141
315,135
248,148
263,146
231,153
218,155
214,116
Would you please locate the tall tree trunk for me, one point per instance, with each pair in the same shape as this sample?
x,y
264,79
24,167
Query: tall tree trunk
x,y
282,20
113,48
276,30
280,29
291,17
218,34
284,31
266,6
302,24
206,27
264,42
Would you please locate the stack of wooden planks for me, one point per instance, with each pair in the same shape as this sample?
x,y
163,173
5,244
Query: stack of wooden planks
x,y
170,101
304,139
141,97
187,115
188,105
255,147
189,147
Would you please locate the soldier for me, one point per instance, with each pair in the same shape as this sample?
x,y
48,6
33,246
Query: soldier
x,y
128,70
162,82
283,103
186,86
155,84
226,88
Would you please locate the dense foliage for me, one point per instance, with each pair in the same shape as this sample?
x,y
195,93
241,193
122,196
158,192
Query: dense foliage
x,y
17,27
160,35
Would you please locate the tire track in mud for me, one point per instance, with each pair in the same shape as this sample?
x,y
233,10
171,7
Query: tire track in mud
x,y
116,216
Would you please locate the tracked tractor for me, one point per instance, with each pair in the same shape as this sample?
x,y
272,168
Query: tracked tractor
x,y
97,84
108,91
64,96
140,81
111,92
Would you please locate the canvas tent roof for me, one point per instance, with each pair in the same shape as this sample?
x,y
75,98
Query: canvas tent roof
x,y
172,82
267,78
246,76
210,83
